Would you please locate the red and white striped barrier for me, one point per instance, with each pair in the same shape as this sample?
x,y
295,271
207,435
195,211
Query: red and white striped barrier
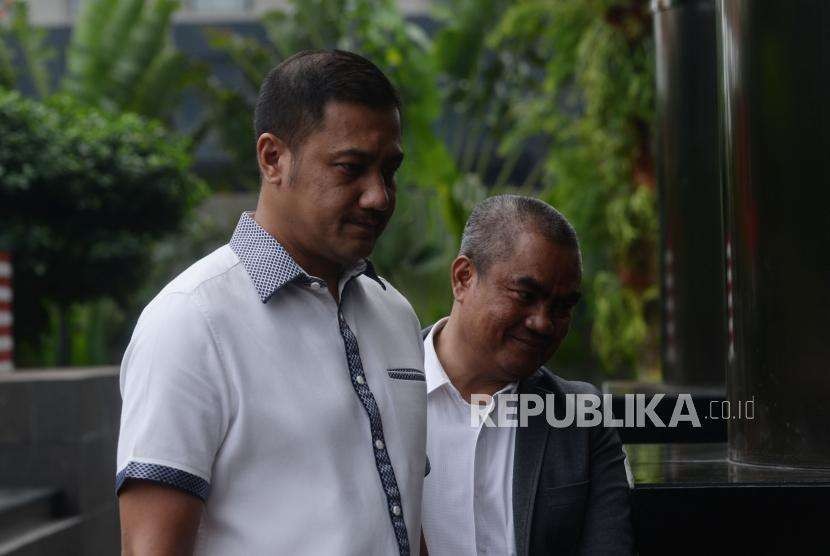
x,y
6,341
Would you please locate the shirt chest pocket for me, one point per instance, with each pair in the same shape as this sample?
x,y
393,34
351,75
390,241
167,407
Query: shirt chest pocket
x,y
406,374
406,394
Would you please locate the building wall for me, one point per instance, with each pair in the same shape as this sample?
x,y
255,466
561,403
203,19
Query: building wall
x,y
54,13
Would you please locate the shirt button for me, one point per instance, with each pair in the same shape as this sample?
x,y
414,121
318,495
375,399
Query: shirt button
x,y
379,444
396,510
316,285
360,379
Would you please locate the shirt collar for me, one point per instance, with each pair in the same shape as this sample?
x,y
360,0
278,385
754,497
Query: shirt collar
x,y
268,263
435,374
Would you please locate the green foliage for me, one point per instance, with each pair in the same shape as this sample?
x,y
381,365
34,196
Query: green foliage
x,y
110,181
120,57
620,320
373,28
479,84
593,97
83,194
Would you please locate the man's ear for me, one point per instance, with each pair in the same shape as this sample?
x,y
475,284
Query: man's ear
x,y
274,159
463,274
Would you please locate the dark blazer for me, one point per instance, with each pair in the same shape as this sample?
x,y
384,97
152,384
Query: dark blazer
x,y
570,492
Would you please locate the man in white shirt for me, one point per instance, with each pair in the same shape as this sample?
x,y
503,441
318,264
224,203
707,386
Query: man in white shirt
x,y
273,394
515,490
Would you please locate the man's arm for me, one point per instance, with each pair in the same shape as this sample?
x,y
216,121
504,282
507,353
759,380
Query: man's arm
x,y
157,520
176,410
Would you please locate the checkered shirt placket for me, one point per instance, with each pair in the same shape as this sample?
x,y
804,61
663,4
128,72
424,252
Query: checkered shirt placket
x,y
384,464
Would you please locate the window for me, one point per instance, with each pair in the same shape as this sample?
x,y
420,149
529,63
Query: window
x,y
220,5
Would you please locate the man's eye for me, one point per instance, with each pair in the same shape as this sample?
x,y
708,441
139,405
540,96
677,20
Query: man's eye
x,y
390,171
523,295
389,180
562,310
351,169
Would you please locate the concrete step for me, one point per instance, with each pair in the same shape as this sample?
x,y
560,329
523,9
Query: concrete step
x,y
29,524
57,537
20,506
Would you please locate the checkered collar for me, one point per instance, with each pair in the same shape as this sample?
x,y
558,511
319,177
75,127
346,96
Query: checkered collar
x,y
268,263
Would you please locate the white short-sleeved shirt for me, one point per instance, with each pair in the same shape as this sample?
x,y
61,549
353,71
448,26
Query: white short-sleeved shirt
x,y
300,422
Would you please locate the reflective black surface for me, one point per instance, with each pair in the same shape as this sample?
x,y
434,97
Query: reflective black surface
x,y
689,499
690,194
705,402
688,465
775,72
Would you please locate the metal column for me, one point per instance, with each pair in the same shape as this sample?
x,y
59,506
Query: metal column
x,y
690,194
775,88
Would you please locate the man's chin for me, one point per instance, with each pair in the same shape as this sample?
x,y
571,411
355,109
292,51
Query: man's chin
x,y
521,368
355,251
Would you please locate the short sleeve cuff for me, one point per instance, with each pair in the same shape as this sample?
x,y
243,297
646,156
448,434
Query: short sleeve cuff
x,y
163,475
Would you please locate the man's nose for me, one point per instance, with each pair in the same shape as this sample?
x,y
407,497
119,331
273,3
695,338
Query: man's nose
x,y
376,195
541,322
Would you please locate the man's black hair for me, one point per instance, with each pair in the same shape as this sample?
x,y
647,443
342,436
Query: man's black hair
x,y
292,99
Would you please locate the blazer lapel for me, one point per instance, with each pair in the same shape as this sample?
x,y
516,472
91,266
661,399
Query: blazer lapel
x,y
527,464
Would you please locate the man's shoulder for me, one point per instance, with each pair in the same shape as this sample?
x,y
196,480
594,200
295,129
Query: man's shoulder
x,y
212,265
179,316
546,379
384,292
191,282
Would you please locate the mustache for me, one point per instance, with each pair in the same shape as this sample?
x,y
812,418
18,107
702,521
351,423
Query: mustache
x,y
374,220
534,338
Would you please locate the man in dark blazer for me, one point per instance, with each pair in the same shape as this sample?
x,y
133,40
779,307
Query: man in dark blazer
x,y
523,490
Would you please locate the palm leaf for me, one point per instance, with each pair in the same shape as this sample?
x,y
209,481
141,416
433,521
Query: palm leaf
x,y
248,55
162,84
8,77
146,41
32,47
120,27
86,62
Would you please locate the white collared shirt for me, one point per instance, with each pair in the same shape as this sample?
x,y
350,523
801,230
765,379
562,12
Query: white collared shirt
x,y
301,422
468,495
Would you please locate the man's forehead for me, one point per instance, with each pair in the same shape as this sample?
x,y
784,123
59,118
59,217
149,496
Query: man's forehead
x,y
565,284
542,265
346,123
534,249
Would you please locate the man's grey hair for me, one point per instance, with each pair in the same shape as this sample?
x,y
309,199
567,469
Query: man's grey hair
x,y
496,222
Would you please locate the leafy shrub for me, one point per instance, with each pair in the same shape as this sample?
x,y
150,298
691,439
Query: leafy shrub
x,y
83,194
